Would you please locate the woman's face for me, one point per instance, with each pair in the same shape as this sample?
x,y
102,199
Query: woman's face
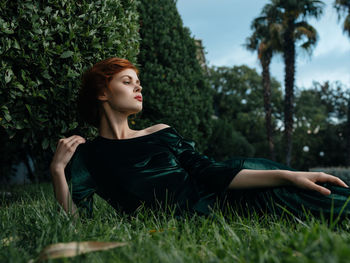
x,y
121,92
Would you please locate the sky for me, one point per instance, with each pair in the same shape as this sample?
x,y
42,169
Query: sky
x,y
224,25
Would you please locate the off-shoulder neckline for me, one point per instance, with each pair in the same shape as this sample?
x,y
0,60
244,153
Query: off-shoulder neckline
x,y
99,137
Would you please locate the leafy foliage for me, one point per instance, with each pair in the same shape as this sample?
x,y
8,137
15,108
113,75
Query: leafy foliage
x,y
320,120
238,99
289,17
238,89
320,129
174,85
265,38
45,47
226,142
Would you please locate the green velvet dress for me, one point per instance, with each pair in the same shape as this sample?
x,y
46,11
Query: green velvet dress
x,y
163,169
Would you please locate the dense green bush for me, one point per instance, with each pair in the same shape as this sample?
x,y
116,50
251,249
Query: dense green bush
x,y
226,142
45,46
174,86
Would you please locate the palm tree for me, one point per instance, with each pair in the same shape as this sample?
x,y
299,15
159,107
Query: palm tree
x,y
265,41
343,7
290,17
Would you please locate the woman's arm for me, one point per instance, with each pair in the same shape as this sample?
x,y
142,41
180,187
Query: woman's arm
x,y
61,190
64,152
269,178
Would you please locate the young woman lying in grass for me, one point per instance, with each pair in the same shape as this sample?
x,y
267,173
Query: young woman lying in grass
x,y
157,167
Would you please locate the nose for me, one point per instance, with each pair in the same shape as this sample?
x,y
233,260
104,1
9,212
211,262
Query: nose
x,y
138,88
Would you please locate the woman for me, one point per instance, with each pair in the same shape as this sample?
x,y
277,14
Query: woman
x,y
157,167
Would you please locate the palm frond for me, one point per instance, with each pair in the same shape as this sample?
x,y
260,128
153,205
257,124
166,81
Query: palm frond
x,y
302,30
346,25
343,9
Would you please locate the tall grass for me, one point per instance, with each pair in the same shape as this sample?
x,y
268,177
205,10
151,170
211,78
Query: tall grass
x,y
31,219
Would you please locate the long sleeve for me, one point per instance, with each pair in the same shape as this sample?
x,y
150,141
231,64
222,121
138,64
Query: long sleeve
x,y
210,175
83,186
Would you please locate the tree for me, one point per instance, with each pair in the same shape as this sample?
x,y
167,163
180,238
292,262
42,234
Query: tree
x,y
265,41
336,97
290,17
238,99
174,85
320,125
226,142
310,122
343,8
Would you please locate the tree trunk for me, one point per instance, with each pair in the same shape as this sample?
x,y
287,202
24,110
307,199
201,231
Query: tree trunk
x,y
265,63
348,135
289,61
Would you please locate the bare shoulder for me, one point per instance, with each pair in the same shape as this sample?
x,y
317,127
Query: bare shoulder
x,y
156,127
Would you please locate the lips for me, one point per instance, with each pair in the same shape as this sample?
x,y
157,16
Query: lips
x,y
139,98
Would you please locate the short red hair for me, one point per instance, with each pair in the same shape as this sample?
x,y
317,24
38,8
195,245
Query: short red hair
x,y
94,81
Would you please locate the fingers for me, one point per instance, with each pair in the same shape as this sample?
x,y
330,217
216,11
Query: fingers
x,y
74,140
338,181
323,190
74,137
65,150
71,139
308,180
71,142
318,188
323,177
332,179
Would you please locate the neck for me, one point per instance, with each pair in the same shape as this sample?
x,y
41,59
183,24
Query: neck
x,y
115,126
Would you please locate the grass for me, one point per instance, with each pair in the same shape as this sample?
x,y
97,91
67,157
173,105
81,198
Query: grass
x,y
33,220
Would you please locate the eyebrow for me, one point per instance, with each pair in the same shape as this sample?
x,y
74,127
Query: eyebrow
x,y
137,81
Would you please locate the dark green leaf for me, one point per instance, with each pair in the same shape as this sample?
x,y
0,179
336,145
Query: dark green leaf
x,y
29,109
45,143
8,75
66,54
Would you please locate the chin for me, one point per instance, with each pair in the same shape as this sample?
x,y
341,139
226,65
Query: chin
x,y
136,111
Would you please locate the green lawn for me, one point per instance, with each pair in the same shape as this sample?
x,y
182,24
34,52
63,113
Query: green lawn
x,y
30,219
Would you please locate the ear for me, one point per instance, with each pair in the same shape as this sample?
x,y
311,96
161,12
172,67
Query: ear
x,y
103,95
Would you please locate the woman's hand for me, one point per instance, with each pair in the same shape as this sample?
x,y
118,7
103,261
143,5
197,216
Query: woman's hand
x,y
64,152
307,180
